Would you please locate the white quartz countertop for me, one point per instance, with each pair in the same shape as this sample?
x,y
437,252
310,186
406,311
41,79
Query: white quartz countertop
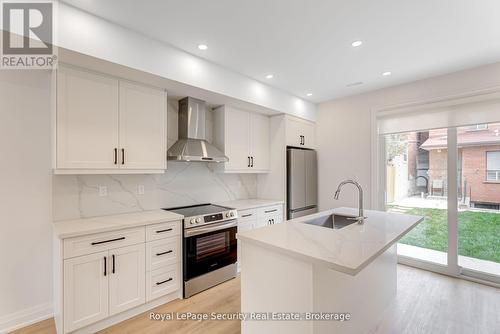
x,y
348,250
245,204
78,227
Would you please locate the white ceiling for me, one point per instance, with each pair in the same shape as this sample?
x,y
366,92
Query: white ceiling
x,y
306,44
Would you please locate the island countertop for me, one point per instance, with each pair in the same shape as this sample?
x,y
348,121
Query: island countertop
x,y
347,250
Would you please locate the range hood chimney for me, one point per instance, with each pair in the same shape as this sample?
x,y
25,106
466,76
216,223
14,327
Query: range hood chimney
x,y
192,144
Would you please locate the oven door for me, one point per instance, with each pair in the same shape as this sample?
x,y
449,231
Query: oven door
x,y
210,247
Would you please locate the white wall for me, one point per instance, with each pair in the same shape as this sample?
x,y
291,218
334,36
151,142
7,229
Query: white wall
x,y
25,197
88,34
344,127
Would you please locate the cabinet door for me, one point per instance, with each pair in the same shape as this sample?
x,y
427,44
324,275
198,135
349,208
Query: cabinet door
x,y
85,290
142,127
87,120
259,141
293,132
127,275
309,135
237,139
245,225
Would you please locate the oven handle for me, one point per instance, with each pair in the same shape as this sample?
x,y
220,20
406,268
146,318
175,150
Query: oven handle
x,y
209,228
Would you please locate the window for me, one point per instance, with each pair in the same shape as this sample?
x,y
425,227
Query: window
x,y
493,166
477,127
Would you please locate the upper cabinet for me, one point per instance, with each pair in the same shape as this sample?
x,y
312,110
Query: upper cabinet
x,y
107,125
299,132
244,138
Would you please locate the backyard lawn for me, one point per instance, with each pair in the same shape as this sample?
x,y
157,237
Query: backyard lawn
x,y
478,233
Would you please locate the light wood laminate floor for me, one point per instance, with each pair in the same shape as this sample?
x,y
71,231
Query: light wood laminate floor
x,y
426,303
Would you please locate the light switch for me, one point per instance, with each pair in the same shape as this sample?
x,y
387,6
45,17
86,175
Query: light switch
x,y
140,189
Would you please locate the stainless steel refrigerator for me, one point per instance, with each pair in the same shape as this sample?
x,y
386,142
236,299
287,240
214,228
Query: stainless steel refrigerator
x,y
302,182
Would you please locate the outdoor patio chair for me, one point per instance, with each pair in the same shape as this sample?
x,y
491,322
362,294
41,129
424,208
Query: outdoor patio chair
x,y
437,186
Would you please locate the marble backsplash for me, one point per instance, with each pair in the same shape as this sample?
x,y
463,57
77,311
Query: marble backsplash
x,y
184,183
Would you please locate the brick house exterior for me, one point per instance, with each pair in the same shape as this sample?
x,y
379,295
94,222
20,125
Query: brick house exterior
x,y
473,145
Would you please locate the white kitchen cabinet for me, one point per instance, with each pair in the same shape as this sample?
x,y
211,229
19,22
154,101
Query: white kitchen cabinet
x,y
108,125
299,132
259,217
85,290
105,274
142,127
87,120
244,138
259,141
127,278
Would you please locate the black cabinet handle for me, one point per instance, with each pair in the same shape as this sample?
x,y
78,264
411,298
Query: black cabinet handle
x,y
252,162
163,253
161,231
123,156
248,165
274,210
116,155
303,140
113,269
165,281
273,221
247,215
106,241
105,266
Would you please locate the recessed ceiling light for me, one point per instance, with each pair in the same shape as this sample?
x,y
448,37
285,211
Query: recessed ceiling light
x,y
269,76
309,94
354,84
386,74
203,47
355,44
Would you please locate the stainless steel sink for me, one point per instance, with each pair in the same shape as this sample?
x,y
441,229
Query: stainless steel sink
x,y
333,221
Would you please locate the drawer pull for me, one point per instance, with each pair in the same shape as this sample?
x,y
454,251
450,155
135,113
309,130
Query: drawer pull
x,y
163,253
165,281
167,230
105,267
247,215
106,241
269,211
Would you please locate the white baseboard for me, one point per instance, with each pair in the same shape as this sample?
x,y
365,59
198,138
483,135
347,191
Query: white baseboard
x,y
26,317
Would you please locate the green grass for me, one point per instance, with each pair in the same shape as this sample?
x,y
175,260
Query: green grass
x,y
478,233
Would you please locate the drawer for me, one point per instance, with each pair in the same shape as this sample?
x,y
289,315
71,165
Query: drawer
x,y
162,281
271,210
163,230
99,242
163,252
245,215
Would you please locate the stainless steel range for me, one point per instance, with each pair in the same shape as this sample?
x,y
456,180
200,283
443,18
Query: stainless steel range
x,y
209,246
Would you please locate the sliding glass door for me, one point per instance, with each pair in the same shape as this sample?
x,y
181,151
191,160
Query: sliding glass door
x,y
479,198
451,176
416,183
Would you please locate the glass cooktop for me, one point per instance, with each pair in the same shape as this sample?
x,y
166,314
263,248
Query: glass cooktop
x,y
198,210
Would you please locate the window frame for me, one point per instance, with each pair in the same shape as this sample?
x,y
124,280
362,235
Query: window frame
x,y
497,171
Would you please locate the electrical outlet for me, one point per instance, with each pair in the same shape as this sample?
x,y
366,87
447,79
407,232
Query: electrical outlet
x,y
103,191
140,189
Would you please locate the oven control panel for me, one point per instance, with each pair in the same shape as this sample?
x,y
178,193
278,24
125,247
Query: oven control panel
x,y
211,218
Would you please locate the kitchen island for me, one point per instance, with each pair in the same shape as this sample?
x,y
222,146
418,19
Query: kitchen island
x,y
303,272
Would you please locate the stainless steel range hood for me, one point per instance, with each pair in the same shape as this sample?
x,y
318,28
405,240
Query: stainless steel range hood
x,y
192,144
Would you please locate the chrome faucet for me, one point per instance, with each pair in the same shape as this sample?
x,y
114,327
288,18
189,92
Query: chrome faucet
x,y
360,218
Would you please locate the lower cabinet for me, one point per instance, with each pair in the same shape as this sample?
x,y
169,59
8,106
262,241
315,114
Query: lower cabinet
x,y
254,218
86,289
126,278
122,271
